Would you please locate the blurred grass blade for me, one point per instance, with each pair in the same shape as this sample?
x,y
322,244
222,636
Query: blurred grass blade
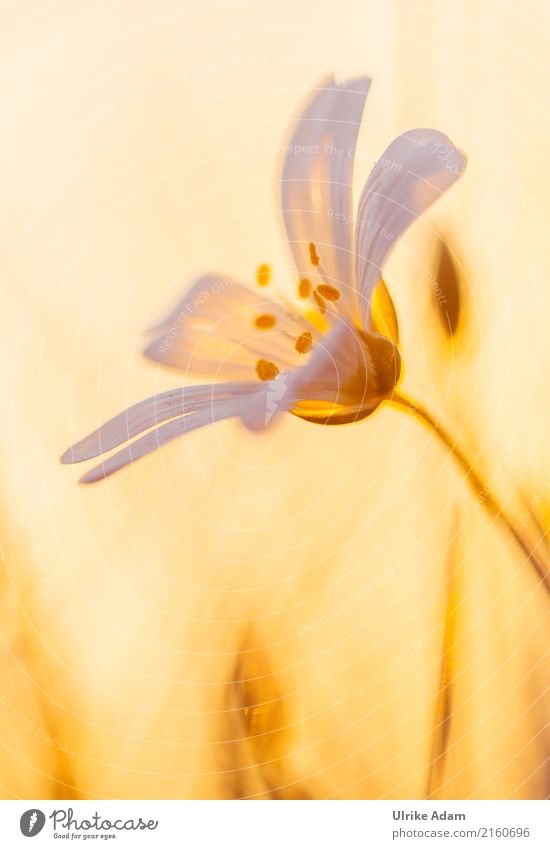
x,y
444,705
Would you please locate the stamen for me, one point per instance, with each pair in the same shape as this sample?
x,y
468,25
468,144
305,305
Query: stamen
x,y
304,343
304,288
264,322
329,293
313,255
263,274
266,370
319,301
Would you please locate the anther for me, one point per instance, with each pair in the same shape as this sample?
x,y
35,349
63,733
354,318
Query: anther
x,y
266,370
329,293
313,255
264,322
304,288
319,301
304,343
263,275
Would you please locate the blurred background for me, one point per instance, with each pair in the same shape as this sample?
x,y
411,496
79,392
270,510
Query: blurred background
x,y
312,612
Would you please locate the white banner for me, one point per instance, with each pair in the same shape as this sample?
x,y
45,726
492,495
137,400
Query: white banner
x,y
277,825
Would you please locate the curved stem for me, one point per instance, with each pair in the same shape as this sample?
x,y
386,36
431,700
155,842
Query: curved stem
x,y
485,497
444,704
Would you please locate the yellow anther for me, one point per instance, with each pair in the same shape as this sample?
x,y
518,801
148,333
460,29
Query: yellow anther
x,y
266,370
329,293
304,343
263,275
264,322
304,288
313,255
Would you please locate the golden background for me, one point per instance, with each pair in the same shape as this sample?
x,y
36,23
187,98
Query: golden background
x,y
264,615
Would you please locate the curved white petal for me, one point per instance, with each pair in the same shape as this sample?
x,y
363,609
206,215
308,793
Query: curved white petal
x,y
412,174
212,331
150,412
316,190
163,434
261,409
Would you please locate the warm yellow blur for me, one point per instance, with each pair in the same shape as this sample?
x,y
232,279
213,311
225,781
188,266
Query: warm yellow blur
x,y
146,620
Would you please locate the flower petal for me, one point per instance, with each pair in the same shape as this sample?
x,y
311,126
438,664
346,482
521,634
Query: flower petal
x,y
150,412
316,190
412,174
163,434
214,330
260,410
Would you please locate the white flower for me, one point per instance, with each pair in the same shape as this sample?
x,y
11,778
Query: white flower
x,y
327,355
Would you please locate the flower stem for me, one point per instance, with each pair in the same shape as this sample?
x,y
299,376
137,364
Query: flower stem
x,y
444,703
490,503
